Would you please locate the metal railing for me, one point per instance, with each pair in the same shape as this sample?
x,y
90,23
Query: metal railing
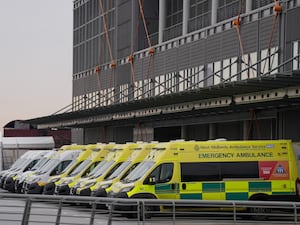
x,y
63,210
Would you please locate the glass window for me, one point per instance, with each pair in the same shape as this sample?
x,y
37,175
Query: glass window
x,y
214,171
199,172
90,169
260,3
129,170
230,8
79,168
161,174
138,172
174,12
31,164
113,169
239,170
296,51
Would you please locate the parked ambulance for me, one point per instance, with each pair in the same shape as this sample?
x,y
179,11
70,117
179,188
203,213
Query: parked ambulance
x,y
116,156
20,178
62,161
63,186
209,170
15,166
139,154
28,164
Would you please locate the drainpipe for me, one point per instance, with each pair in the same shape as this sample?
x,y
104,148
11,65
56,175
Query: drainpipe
x,y
162,20
185,17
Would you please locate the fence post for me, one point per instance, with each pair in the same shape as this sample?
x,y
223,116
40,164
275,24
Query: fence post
x,y
58,213
93,213
174,212
26,213
295,213
234,212
109,219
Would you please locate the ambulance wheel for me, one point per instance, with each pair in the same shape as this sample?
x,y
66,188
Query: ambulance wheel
x,y
145,211
260,212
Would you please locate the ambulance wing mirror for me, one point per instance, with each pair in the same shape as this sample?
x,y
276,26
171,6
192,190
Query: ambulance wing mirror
x,y
151,180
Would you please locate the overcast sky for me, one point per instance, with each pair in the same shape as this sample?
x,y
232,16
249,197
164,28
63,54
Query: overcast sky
x,y
35,58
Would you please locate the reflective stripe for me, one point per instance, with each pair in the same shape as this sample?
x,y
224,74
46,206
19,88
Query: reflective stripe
x,y
260,187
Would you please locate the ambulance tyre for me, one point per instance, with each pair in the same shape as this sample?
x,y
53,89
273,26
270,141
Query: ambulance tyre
x,y
259,213
146,211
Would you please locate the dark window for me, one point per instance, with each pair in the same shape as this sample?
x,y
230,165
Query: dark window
x,y
199,172
173,19
239,170
260,3
30,165
230,8
214,171
200,14
60,167
162,174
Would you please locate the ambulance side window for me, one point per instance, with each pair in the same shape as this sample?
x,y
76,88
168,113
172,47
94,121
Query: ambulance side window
x,y
161,174
215,171
200,172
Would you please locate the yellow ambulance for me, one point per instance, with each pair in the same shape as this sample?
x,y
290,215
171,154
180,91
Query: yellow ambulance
x,y
214,170
87,151
117,155
139,154
73,155
100,151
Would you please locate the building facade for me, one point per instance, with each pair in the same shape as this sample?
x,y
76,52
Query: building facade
x,y
191,69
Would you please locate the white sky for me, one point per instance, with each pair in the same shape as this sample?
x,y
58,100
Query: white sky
x,y
35,58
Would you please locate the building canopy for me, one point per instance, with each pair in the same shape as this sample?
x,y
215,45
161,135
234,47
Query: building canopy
x,y
44,142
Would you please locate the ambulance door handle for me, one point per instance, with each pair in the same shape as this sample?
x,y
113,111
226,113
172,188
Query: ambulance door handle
x,y
174,186
183,186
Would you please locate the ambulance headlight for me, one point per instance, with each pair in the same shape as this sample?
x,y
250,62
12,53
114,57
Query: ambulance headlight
x,y
127,189
41,183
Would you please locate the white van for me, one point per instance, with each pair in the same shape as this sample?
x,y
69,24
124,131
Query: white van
x,y
27,164
61,161
20,178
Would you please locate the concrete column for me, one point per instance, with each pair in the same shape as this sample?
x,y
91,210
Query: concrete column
x,y
162,20
185,16
134,13
214,10
183,132
282,22
245,129
212,131
248,6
